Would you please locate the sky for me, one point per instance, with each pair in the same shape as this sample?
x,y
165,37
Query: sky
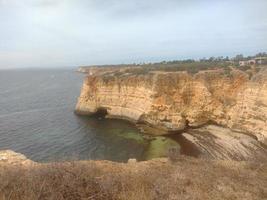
x,y
64,33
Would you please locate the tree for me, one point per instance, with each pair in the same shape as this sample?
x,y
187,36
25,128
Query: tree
x,y
226,58
239,57
261,54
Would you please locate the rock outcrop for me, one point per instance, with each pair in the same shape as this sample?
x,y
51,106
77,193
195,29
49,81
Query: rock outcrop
x,y
174,101
9,157
215,142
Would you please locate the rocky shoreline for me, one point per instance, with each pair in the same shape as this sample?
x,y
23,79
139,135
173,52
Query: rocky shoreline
x,y
224,115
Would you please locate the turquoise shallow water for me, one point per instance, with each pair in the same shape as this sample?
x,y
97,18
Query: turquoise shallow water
x,y
37,119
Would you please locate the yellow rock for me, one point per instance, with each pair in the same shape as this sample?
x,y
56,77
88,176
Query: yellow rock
x,y
172,101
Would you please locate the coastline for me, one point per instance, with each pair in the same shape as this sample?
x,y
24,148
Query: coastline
x,y
175,101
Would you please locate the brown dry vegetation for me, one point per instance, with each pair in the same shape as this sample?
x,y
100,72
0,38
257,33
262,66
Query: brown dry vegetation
x,y
191,67
186,178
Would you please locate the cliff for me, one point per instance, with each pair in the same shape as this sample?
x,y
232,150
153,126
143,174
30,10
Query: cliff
x,y
170,102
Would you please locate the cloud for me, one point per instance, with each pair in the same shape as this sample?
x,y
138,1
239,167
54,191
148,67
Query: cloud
x,y
72,32
46,3
39,3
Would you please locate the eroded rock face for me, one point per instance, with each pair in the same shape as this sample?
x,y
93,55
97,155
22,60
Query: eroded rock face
x,y
216,142
172,101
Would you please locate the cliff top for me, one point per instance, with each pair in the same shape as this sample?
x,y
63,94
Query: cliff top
x,y
184,178
190,68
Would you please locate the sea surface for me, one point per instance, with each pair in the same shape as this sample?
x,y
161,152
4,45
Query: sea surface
x,y
37,119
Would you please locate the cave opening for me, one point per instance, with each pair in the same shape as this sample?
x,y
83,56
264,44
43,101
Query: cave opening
x,y
186,124
101,113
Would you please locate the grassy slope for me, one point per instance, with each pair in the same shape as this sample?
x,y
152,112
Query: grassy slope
x,y
184,178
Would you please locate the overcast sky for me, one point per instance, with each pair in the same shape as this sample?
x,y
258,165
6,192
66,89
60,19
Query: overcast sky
x,y
57,33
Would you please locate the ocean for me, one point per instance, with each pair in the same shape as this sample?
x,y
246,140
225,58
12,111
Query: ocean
x,y
37,119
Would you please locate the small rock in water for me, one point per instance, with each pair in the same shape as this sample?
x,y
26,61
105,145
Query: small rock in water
x,y
147,137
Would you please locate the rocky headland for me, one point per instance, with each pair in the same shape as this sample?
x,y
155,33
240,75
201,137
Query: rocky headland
x,y
223,111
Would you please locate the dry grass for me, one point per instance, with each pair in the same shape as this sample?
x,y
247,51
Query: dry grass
x,y
183,178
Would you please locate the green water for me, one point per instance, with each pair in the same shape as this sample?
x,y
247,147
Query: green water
x,y
155,147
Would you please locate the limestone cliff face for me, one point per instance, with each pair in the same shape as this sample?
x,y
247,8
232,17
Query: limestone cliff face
x,y
172,101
